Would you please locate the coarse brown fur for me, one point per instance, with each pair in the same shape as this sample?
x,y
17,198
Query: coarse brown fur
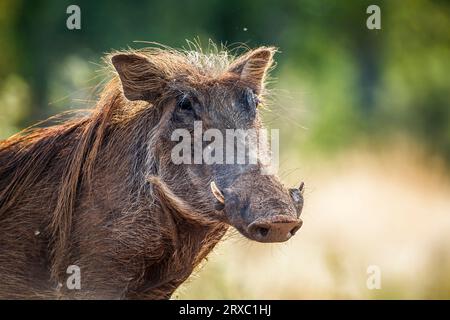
x,y
99,191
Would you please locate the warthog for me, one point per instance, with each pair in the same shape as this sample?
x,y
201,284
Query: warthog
x,y
101,192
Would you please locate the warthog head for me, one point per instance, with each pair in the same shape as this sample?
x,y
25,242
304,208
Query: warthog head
x,y
199,100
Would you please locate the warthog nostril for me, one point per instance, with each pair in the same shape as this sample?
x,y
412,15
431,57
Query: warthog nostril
x,y
295,229
262,231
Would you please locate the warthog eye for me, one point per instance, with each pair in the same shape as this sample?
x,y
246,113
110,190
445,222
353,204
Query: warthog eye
x,y
251,99
184,103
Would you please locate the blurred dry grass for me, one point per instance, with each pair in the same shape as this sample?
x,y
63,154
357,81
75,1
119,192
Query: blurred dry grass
x,y
390,209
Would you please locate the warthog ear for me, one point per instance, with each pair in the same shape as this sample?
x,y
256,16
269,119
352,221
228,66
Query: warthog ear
x,y
252,67
141,79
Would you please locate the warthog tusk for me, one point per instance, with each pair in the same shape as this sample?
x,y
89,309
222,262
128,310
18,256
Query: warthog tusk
x,y
216,192
302,187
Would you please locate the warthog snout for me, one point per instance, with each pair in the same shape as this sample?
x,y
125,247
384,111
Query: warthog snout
x,y
276,229
261,209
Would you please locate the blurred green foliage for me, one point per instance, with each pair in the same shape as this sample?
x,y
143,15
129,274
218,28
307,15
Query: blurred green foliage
x,y
343,82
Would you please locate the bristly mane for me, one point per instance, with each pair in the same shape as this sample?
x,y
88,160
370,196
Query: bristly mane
x,y
25,157
214,62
